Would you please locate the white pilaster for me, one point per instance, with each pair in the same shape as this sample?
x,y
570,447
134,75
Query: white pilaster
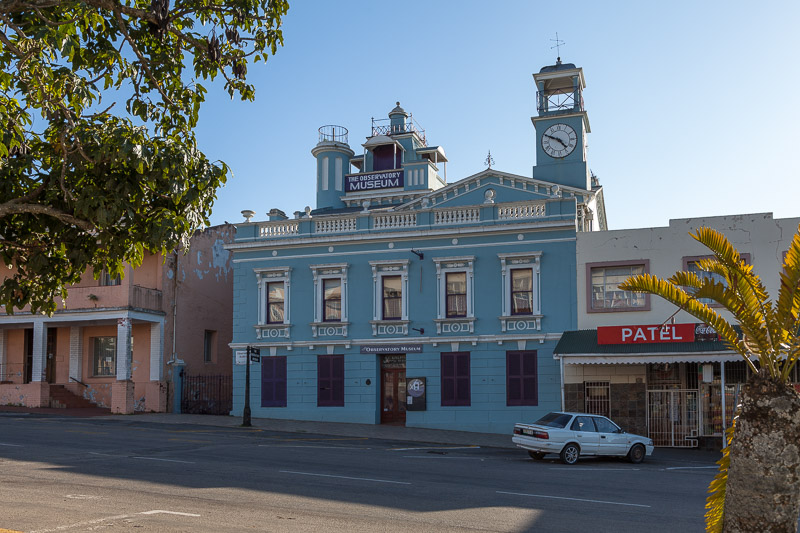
x,y
123,349
156,351
76,352
39,350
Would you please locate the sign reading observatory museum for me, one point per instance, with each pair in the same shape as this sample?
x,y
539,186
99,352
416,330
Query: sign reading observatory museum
x,y
373,180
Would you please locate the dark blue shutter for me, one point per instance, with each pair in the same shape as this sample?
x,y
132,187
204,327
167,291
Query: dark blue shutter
x,y
330,380
522,381
455,378
273,381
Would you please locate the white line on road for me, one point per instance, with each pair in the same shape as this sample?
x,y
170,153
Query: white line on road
x,y
104,454
570,499
434,448
14,445
344,477
83,524
689,467
569,468
165,460
321,447
441,457
158,511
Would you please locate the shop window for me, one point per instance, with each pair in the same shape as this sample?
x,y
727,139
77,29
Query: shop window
x,y
330,380
690,264
604,294
522,380
597,396
455,379
104,356
273,381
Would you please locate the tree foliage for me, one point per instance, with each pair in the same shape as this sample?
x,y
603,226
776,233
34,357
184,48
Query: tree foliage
x,y
762,454
98,104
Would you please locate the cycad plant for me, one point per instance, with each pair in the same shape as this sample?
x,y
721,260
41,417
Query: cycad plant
x,y
758,486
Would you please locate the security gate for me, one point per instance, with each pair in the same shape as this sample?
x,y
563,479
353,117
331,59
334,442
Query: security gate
x,y
672,418
207,395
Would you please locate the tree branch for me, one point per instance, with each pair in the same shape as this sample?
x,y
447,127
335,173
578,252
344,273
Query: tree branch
x,y
9,208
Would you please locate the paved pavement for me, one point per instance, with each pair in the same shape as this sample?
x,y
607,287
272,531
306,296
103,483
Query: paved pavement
x,y
402,433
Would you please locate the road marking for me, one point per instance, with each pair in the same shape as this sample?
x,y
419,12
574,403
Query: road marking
x,y
83,524
434,448
441,457
326,440
87,432
344,477
689,467
158,511
165,460
104,454
569,469
189,440
81,497
318,447
571,499
13,445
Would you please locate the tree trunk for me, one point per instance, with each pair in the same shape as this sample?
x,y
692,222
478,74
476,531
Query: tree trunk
x,y
763,487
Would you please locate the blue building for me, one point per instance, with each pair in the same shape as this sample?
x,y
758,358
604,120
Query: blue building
x,y
406,299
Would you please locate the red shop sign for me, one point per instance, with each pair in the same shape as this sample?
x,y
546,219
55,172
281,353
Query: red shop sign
x,y
645,334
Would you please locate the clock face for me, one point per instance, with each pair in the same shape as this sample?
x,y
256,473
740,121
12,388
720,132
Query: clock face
x,y
559,140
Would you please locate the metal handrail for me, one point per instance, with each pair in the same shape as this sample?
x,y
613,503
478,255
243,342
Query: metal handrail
x,y
559,100
333,133
79,381
410,126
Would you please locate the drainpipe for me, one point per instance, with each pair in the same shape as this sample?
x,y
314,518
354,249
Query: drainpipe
x,y
561,366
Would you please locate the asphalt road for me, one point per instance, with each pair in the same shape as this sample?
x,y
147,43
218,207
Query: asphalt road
x,y
69,474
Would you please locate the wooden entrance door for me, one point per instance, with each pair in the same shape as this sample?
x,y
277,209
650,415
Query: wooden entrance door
x,y
393,389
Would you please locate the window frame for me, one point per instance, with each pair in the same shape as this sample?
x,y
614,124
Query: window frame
x,y
689,259
270,303
113,350
512,292
645,263
209,346
264,277
385,299
516,261
455,265
525,399
381,269
320,274
455,400
460,296
107,281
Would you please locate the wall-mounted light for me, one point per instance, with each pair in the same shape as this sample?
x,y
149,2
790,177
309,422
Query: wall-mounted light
x,y
418,254
421,330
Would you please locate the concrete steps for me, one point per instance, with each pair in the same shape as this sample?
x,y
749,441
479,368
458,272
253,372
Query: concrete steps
x,y
61,398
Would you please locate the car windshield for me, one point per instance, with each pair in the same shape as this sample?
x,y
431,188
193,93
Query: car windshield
x,y
554,420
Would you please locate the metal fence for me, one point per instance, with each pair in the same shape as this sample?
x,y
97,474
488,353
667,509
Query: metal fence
x,y
207,395
672,417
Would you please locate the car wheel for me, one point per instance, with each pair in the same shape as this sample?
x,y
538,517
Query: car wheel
x,y
570,454
636,454
536,455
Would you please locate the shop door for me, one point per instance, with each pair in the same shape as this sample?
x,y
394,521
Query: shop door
x,y
672,418
393,389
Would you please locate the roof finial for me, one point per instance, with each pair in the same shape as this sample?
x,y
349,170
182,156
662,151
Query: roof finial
x,y
557,46
489,160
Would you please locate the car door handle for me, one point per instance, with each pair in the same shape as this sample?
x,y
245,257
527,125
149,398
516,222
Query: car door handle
x,y
602,436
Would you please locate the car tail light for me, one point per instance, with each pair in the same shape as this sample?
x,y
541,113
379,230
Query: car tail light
x,y
517,431
541,435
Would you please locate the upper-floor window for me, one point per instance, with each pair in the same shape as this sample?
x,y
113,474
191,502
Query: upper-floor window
x,y
392,297
107,280
455,283
521,291
520,273
330,292
603,280
274,295
209,345
456,292
390,287
690,264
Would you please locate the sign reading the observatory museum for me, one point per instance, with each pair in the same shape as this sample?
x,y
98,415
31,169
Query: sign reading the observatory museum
x,y
391,348
373,180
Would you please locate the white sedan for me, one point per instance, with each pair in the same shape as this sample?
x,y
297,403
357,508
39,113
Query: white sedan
x,y
573,435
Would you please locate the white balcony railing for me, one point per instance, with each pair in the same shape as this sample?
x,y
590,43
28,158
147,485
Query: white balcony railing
x,y
336,225
462,215
518,211
404,220
278,229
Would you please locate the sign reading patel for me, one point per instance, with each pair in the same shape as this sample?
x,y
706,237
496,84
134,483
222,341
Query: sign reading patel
x,y
645,334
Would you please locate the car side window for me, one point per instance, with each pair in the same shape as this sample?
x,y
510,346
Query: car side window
x,y
605,426
583,423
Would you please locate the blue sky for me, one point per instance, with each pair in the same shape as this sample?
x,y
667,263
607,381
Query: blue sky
x,y
693,105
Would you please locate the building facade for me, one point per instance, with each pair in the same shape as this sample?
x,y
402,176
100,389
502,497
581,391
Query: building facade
x,y
116,342
405,299
657,372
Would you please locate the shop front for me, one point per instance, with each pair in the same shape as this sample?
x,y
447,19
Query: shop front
x,y
676,383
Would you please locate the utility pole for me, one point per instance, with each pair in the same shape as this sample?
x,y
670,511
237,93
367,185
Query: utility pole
x,y
246,413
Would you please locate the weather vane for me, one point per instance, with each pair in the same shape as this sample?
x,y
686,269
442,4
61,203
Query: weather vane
x,y
489,160
557,46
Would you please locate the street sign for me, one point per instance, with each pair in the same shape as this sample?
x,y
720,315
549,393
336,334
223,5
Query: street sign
x,y
255,358
256,351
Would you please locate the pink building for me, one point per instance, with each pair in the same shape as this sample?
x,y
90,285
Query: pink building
x,y
116,342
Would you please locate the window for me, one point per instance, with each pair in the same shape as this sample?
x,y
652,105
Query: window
x,y
332,300
456,292
107,280
273,381
209,345
330,294
274,291
104,356
392,297
522,381
455,379
330,380
275,301
603,280
690,264
520,278
521,291
597,397
605,425
455,280
583,423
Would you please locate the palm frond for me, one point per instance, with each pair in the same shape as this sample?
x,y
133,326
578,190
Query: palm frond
x,y
715,502
787,305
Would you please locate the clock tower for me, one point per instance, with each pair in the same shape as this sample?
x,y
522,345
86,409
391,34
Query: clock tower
x,y
561,126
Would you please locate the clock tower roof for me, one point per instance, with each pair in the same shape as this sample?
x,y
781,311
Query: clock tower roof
x,y
558,66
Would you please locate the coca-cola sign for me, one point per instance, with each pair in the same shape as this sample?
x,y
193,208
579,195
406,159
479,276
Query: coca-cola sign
x,y
705,333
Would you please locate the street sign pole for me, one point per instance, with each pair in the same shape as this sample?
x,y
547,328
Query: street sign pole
x,y
246,412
